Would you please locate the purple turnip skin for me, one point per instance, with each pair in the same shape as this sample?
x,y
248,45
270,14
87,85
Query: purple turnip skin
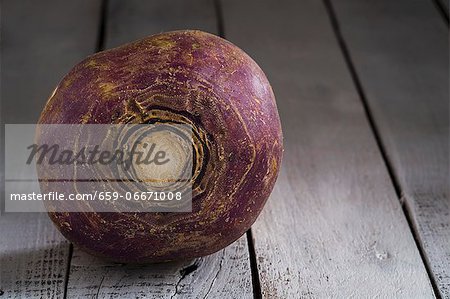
x,y
220,90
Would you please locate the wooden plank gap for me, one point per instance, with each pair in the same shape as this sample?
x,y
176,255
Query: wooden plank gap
x,y
219,17
416,235
442,9
362,95
257,293
69,261
102,26
376,133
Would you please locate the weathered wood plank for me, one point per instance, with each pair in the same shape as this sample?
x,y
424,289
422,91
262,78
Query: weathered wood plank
x,y
333,227
403,67
225,274
142,18
40,43
41,40
216,276
33,257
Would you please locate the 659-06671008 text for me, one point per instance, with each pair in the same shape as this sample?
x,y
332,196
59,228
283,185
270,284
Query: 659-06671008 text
x,y
102,196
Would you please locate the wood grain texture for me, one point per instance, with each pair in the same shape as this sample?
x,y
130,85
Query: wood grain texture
x,y
215,276
40,42
333,227
33,257
403,67
225,274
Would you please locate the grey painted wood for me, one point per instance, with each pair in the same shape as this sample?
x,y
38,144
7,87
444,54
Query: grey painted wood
x,y
225,274
134,19
403,66
33,257
41,40
40,44
333,227
220,275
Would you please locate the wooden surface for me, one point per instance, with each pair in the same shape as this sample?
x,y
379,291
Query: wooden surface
x,y
334,226
409,97
224,274
40,43
333,221
134,19
33,257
